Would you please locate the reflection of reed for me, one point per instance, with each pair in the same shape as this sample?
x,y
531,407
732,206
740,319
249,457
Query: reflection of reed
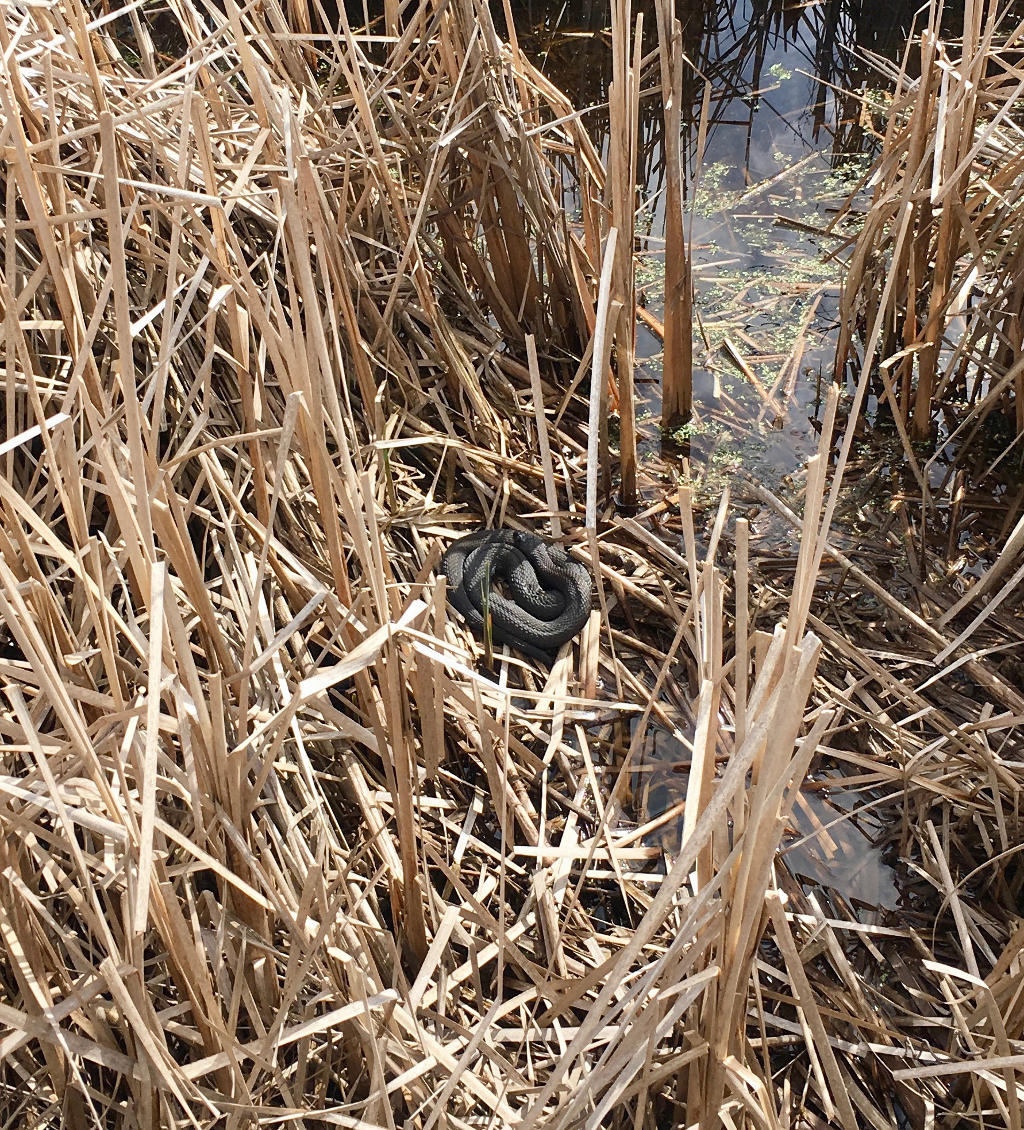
x,y
729,45
937,274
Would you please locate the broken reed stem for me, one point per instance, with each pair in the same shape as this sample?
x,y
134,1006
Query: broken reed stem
x,y
543,443
624,102
598,385
677,367
742,660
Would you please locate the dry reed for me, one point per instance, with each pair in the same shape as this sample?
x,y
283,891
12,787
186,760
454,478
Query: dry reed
x,y
677,379
936,278
279,319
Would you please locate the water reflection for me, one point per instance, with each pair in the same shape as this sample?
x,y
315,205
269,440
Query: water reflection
x,y
784,147
830,842
743,49
831,848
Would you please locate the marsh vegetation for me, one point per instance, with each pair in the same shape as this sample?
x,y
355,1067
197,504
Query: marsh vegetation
x,y
293,299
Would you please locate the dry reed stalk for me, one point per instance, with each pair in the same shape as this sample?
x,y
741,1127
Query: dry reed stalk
x,y
677,368
597,429
942,229
272,846
623,109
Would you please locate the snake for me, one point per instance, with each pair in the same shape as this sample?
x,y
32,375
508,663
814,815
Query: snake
x,y
548,599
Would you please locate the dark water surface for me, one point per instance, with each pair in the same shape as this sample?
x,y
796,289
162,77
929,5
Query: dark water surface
x,y
785,146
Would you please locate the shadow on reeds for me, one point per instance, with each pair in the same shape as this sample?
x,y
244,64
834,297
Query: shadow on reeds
x,y
285,310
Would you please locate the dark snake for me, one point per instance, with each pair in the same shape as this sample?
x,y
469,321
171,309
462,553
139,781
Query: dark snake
x,y
549,593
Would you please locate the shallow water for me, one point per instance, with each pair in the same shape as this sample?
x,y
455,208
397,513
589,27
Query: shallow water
x,y
785,146
830,841
783,152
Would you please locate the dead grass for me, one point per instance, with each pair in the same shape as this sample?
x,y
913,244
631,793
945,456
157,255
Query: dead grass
x,y
936,274
280,317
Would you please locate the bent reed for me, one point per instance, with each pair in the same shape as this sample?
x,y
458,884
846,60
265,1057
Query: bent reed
x,y
283,315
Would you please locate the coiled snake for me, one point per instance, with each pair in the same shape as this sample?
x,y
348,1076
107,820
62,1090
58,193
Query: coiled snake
x,y
549,593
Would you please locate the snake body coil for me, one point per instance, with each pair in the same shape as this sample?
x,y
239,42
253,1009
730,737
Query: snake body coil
x,y
549,593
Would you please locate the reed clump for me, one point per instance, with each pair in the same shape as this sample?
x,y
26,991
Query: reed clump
x,y
270,847
936,278
281,316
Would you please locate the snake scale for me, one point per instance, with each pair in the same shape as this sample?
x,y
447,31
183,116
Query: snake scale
x,y
548,599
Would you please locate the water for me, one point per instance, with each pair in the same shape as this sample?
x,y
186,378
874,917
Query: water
x,y
830,843
784,149
832,846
